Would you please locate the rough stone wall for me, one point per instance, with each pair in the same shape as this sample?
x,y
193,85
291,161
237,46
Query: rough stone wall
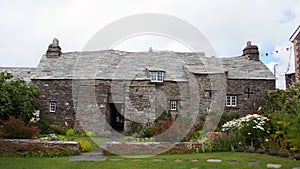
x,y
296,43
59,91
145,101
238,88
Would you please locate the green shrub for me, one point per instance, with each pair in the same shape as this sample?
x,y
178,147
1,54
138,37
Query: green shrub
x,y
272,152
18,129
134,127
79,132
56,129
70,132
283,154
297,156
260,151
44,125
85,145
90,134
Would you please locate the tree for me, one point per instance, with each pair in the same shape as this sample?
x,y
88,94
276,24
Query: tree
x,y
17,98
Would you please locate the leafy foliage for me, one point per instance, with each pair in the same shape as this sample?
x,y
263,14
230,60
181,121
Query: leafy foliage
x,y
17,98
283,107
18,129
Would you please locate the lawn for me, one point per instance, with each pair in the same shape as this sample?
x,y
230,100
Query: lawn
x,y
128,163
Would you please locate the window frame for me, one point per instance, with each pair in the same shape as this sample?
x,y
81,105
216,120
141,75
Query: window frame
x,y
231,101
157,76
52,106
173,105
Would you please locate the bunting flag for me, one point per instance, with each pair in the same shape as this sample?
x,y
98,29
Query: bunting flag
x,y
288,49
289,64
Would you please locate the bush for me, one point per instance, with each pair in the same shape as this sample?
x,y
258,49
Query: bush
x,y
134,127
272,152
70,132
44,125
85,145
297,156
283,154
18,129
251,130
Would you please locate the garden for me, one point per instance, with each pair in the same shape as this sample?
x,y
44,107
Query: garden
x,y
269,134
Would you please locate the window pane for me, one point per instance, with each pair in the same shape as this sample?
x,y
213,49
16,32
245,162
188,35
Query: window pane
x,y
52,107
173,105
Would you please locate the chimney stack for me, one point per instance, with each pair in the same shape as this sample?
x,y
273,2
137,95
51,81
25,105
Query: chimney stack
x,y
54,51
251,51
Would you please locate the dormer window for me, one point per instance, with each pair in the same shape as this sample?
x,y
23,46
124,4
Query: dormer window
x,y
157,76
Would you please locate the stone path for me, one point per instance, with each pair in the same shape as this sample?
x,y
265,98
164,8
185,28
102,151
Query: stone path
x,y
97,155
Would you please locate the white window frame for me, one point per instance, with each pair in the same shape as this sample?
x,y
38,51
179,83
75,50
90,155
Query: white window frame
x,y
173,105
52,107
231,101
157,76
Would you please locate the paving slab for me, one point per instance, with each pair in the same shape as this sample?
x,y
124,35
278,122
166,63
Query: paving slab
x,y
274,165
214,160
88,158
233,162
178,161
253,163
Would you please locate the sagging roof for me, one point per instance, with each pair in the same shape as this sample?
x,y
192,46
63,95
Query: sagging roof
x,y
22,72
121,65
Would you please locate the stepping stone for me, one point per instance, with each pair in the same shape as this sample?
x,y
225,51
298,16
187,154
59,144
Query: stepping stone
x,y
158,159
178,161
296,168
194,161
214,160
116,159
233,162
253,163
87,158
274,165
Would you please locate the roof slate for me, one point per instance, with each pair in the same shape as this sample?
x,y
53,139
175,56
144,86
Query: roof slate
x,y
25,73
121,65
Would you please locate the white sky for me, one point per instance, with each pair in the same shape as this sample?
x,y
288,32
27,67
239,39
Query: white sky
x,y
28,27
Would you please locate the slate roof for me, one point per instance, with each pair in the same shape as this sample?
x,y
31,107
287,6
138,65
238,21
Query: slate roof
x,y
120,65
25,73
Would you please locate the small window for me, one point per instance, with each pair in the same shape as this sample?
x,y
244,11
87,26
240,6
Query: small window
x,y
231,101
157,76
173,105
52,107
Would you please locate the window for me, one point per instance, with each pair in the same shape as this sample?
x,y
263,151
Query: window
x,y
231,101
157,76
52,107
173,105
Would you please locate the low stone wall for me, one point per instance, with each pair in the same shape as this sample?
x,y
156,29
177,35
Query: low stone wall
x,y
26,144
150,148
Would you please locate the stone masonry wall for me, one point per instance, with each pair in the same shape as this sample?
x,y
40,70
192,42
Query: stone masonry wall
x,y
59,91
143,101
240,88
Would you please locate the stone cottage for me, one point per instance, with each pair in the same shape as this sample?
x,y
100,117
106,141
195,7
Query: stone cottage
x,y
294,77
101,90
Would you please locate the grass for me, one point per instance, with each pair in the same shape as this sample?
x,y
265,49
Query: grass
x,y
127,163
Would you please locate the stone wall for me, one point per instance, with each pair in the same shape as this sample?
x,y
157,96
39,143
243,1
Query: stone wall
x,y
256,90
143,101
296,43
59,91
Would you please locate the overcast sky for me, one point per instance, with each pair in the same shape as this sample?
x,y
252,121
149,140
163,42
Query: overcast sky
x,y
28,27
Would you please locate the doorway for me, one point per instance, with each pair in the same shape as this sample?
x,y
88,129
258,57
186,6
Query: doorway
x,y
116,118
